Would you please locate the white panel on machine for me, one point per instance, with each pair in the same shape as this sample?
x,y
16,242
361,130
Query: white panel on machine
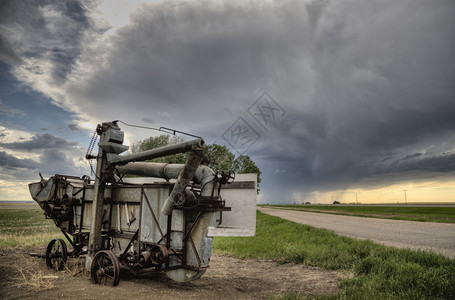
x,y
241,196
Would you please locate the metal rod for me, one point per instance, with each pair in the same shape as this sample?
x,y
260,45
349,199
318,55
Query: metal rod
x,y
185,176
118,217
153,215
127,215
68,238
129,245
82,210
192,226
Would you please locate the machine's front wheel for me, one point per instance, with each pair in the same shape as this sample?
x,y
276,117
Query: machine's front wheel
x,y
56,254
105,268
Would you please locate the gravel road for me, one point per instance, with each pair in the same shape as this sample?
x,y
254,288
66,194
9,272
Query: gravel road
x,y
439,237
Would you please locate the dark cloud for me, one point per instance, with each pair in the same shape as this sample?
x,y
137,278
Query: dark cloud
x,y
55,161
11,162
364,84
40,141
441,163
74,127
50,162
196,59
7,54
52,155
367,86
148,120
47,30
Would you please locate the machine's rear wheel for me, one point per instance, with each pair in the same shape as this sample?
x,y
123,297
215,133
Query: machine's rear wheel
x,y
56,254
105,268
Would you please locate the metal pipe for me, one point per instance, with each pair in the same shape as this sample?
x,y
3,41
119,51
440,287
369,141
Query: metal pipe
x,y
185,176
204,175
128,223
118,217
159,170
158,152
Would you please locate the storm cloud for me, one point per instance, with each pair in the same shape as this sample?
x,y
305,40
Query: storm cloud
x,y
366,86
40,141
51,155
44,32
10,162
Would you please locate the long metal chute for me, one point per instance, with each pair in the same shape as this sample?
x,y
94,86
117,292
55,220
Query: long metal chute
x,y
184,173
204,175
183,147
185,176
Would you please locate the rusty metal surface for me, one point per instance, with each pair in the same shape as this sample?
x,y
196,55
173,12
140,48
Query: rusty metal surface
x,y
105,269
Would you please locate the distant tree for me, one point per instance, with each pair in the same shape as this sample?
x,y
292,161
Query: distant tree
x,y
244,164
336,202
307,203
220,158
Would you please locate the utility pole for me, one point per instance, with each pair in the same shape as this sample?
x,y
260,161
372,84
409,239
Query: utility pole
x,y
356,202
405,198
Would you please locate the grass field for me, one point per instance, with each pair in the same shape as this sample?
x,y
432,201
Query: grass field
x,y
423,214
379,272
23,225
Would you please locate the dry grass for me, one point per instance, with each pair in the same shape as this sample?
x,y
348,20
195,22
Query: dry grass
x,y
25,227
76,267
34,274
33,277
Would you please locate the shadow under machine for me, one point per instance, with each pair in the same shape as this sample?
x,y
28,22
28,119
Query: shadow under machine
x,y
164,219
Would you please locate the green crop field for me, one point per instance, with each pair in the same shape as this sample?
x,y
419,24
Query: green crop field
x,y
23,225
412,213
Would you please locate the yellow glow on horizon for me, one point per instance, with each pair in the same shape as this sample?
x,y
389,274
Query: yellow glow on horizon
x,y
420,192
14,190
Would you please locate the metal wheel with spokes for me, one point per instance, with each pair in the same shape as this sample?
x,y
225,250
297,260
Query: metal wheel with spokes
x,y
56,254
105,268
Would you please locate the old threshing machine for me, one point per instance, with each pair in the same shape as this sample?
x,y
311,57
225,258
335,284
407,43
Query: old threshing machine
x,y
165,219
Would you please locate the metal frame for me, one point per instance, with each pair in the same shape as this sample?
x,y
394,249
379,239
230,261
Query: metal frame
x,y
97,234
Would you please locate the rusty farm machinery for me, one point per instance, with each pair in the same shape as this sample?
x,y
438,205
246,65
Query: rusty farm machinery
x,y
163,218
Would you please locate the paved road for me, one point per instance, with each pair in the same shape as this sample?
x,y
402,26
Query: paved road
x,y
439,237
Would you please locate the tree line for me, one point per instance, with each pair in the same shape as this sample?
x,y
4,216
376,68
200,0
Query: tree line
x,y
219,157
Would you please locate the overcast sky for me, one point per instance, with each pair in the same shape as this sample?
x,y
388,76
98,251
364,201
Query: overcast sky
x,y
326,97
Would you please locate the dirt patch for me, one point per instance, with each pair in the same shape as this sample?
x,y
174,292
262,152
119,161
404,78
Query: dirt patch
x,y
227,278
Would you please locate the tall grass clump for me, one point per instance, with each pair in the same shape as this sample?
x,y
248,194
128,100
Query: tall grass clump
x,y
380,272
